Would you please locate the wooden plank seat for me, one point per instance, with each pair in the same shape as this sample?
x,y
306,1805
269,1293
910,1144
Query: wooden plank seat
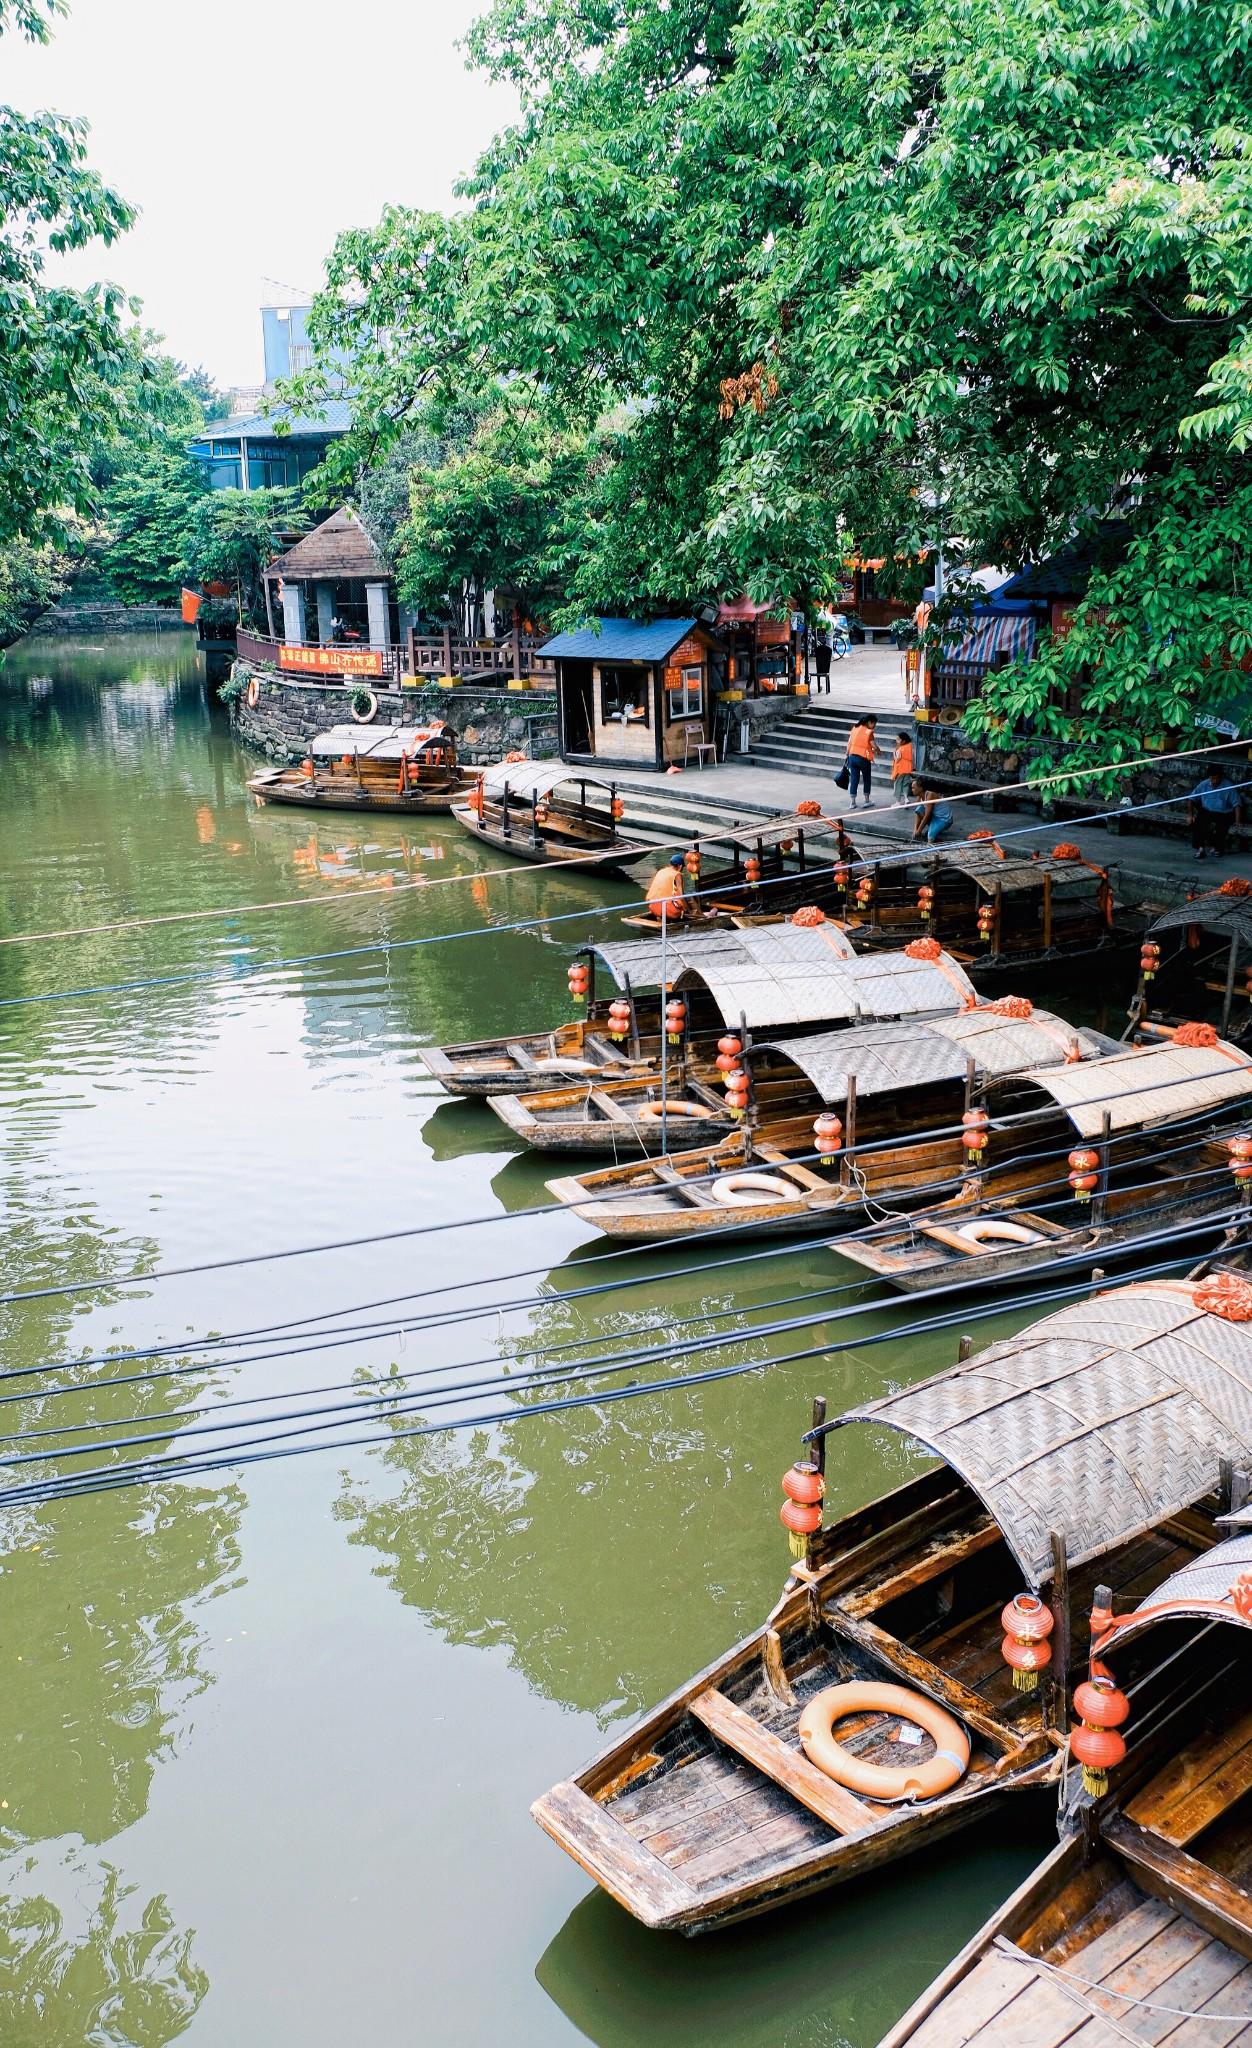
x,y
776,1760
1198,1785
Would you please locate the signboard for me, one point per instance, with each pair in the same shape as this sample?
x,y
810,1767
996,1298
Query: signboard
x,y
335,661
687,651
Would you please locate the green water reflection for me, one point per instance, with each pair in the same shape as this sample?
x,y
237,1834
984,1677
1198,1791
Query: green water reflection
x,y
270,1737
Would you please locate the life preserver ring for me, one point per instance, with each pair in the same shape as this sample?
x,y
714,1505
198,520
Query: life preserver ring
x,y
252,694
365,717
940,1771
994,1230
651,1112
754,1190
570,1066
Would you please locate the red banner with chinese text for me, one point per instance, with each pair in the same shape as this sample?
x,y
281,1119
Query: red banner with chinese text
x,y
340,661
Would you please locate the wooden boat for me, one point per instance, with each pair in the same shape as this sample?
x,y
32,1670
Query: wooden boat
x,y
998,912
782,976
544,812
734,982
1160,1129
759,873
1058,1473
1138,1926
372,768
1197,958
900,1095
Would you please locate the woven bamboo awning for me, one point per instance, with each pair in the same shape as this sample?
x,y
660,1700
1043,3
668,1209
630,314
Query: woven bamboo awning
x,y
772,975
1096,1423
1191,1593
1013,874
527,779
1148,1084
886,1058
379,743
1227,917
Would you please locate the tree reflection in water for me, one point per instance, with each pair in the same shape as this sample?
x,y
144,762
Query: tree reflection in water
x,y
120,1972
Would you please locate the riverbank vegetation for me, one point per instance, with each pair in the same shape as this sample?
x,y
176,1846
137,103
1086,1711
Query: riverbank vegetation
x,y
858,278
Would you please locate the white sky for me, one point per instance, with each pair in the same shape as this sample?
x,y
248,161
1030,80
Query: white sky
x,y
248,133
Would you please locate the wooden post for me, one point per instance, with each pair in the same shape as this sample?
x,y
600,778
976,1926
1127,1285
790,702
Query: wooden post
x,y
818,1449
1047,913
971,1079
1229,997
964,1349
1097,1276
1101,1197
635,1046
515,644
1060,1634
800,849
269,609
447,650
999,906
849,1129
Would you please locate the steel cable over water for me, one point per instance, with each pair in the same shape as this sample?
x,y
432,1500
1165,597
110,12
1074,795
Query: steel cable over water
x,y
228,976
555,1209
150,1471
338,1339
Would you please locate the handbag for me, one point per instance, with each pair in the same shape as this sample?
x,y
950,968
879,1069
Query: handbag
x,y
844,777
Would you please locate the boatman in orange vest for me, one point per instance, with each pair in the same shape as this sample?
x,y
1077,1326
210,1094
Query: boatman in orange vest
x,y
666,887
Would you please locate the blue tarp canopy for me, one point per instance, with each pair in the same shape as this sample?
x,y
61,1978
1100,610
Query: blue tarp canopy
x,y
619,640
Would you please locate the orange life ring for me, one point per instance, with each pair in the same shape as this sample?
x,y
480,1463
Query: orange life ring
x,y
995,1230
252,693
651,1112
940,1771
754,1190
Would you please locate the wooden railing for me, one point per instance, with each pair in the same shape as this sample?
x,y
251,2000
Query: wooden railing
x,y
321,663
448,654
957,683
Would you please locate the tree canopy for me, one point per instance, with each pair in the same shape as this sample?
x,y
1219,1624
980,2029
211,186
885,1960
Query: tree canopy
x,y
63,352
857,275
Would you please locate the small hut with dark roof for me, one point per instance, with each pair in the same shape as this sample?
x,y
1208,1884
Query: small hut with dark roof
x,y
332,594
635,695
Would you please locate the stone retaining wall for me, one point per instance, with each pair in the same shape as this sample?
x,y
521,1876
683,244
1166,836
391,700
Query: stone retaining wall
x,y
487,722
67,619
954,761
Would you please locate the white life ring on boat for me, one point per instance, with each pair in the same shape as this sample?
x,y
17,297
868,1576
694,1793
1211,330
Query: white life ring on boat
x,y
754,1190
651,1112
253,693
568,1066
940,1771
994,1230
365,717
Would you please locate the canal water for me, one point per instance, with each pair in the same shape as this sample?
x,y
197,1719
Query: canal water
x,y
269,1736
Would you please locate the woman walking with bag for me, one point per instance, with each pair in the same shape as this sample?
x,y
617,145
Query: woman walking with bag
x,y
857,769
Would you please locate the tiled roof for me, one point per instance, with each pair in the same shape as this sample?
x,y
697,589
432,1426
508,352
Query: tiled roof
x,y
620,640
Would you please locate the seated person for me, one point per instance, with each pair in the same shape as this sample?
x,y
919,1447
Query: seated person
x,y
932,816
666,887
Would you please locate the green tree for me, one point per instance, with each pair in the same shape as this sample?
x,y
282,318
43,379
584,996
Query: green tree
x,y
150,512
63,353
233,535
32,577
845,264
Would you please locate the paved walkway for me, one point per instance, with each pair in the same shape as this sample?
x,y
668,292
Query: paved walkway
x,y
1155,868
868,679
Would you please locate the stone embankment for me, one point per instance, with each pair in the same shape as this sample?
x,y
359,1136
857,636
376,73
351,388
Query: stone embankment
x,y
487,722
68,619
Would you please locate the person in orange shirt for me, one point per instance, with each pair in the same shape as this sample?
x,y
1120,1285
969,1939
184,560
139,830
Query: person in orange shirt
x,y
666,887
862,754
902,768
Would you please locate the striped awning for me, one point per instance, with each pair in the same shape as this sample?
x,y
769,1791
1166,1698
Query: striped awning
x,y
991,635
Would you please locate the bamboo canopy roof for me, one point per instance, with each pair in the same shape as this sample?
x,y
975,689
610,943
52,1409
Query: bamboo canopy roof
x,y
885,1058
1094,1424
1147,1084
1226,916
379,743
1190,1594
773,975
990,869
528,779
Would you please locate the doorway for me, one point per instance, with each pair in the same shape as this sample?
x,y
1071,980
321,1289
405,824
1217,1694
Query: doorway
x,y
577,724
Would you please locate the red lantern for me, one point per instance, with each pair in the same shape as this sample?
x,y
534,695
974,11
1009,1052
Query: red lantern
x,y
675,1019
1149,959
728,1051
579,979
691,861
841,878
926,900
1240,1150
619,1017
1084,1177
618,809
752,869
828,1132
801,1512
986,920
1027,1624
974,1133
1095,1744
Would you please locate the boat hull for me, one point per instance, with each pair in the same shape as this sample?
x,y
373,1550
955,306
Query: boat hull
x,y
547,850
343,795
